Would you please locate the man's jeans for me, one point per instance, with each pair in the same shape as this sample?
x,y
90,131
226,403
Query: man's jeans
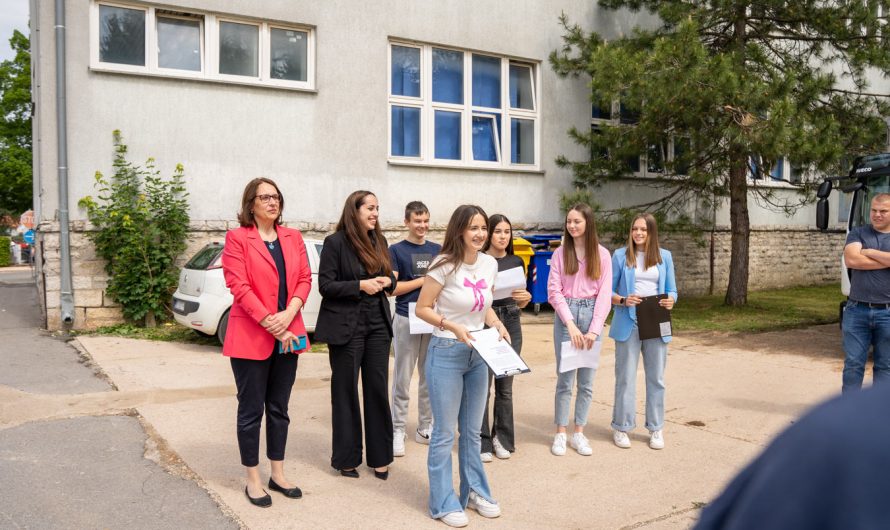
x,y
864,327
627,357
409,351
458,383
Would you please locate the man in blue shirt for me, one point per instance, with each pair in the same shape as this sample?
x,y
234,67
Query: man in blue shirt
x,y
867,311
410,260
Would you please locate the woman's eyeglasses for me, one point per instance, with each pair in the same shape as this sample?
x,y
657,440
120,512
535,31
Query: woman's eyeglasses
x,y
266,198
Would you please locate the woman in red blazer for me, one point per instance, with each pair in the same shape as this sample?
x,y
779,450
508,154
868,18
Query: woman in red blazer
x,y
267,270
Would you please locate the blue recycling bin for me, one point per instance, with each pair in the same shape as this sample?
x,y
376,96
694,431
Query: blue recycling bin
x,y
539,267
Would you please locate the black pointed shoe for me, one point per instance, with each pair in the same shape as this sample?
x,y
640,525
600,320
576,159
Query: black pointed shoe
x,y
263,502
382,475
293,493
351,473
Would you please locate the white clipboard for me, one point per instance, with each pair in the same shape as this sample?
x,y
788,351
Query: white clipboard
x,y
501,358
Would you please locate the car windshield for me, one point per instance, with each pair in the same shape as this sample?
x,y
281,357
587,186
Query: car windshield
x,y
204,257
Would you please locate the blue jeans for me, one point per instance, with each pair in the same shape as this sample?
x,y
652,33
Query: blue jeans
x,y
864,327
582,312
627,356
457,379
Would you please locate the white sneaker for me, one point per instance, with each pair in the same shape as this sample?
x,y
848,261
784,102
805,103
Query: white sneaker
x,y
422,436
559,444
579,443
621,439
499,450
485,508
486,457
656,440
455,519
398,442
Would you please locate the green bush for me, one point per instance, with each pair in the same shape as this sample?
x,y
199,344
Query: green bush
x,y
5,254
141,222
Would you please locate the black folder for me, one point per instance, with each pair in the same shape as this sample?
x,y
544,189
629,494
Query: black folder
x,y
653,321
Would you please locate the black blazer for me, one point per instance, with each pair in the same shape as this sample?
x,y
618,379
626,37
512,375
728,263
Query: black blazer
x,y
339,274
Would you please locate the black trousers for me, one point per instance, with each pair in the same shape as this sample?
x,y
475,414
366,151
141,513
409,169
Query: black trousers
x,y
263,385
502,427
366,354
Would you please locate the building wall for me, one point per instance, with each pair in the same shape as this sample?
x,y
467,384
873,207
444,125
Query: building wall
x,y
321,145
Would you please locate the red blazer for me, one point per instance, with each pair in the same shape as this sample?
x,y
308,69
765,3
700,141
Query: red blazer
x,y
253,279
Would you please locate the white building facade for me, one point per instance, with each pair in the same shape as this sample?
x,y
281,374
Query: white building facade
x,y
444,102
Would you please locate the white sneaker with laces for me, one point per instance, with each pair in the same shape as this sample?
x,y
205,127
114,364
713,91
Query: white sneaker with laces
x,y
485,508
559,444
579,443
422,436
455,519
499,450
621,439
656,440
486,457
398,442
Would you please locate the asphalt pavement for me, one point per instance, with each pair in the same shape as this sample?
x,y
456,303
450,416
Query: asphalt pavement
x,y
68,465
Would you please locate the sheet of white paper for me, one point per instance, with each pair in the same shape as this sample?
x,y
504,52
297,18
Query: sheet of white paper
x,y
571,358
507,281
497,354
417,326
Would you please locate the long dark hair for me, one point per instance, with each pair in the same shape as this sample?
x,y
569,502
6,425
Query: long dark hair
x,y
591,244
453,248
371,252
493,222
245,215
653,256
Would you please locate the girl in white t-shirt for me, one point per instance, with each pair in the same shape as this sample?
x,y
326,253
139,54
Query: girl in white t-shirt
x,y
460,284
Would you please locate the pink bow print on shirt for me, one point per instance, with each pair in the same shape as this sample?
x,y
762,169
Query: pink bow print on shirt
x,y
479,298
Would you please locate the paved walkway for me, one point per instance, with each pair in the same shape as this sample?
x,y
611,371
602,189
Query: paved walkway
x,y
726,398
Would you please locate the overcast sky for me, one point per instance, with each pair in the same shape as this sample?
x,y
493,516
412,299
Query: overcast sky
x,y
13,15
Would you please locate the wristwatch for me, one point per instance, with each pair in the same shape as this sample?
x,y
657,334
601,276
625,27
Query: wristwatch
x,y
622,300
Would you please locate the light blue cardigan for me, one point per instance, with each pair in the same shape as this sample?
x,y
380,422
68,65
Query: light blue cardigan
x,y
623,280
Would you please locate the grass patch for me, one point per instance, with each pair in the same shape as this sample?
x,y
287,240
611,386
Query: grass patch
x,y
165,332
170,332
772,310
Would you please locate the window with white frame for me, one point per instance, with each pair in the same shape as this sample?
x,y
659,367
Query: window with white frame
x,y
462,108
199,45
652,162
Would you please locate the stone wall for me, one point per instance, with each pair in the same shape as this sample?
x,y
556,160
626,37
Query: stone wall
x,y
779,257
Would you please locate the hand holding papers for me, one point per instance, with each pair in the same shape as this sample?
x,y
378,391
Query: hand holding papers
x,y
417,326
500,357
572,358
508,281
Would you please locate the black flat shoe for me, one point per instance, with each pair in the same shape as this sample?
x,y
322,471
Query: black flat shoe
x,y
382,475
351,473
263,502
293,493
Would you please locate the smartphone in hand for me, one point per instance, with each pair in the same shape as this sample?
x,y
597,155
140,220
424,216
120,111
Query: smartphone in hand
x,y
295,345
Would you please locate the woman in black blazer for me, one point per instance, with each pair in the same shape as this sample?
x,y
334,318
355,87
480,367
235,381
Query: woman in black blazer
x,y
354,275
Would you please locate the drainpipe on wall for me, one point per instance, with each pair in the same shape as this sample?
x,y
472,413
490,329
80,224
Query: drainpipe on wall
x,y
66,294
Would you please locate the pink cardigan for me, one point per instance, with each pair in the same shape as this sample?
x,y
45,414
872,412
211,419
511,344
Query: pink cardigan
x,y
561,286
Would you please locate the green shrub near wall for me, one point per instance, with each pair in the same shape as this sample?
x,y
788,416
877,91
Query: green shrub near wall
x,y
5,254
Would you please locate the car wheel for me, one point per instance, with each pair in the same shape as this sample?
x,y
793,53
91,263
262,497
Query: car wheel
x,y
221,329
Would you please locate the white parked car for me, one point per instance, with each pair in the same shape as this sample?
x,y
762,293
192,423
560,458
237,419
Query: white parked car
x,y
202,300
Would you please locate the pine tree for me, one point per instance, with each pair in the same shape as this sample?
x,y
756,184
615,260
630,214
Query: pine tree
x,y
736,85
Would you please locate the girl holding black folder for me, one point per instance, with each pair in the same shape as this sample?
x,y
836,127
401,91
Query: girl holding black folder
x,y
639,270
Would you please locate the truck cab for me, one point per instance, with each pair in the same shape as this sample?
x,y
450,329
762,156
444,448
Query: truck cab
x,y
868,176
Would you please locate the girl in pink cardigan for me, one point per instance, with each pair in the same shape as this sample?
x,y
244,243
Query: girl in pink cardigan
x,y
580,290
